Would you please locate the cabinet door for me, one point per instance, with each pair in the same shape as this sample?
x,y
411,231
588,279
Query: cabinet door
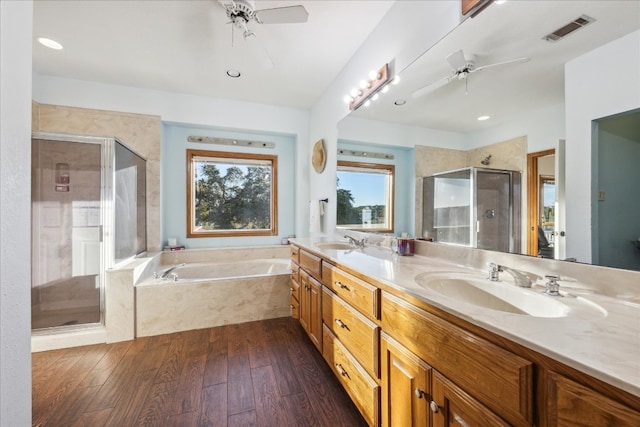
x,y
572,404
315,312
453,407
305,300
406,390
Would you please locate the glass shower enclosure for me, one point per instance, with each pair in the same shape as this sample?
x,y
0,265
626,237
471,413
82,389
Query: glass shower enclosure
x,y
475,207
88,213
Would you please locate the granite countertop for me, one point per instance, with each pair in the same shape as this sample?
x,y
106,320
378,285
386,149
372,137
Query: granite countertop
x,y
601,338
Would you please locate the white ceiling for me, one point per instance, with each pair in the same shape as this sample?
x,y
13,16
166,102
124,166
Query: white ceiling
x,y
185,46
502,32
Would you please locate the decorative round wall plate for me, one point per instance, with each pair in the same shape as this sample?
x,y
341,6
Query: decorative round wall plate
x,y
319,157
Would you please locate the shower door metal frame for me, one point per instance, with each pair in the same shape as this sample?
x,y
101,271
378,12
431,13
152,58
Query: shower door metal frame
x,y
107,160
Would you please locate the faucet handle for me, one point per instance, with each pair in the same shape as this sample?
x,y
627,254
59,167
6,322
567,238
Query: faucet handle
x,y
494,270
552,285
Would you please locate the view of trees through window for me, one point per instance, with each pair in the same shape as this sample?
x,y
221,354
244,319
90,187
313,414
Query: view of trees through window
x,y
365,196
232,192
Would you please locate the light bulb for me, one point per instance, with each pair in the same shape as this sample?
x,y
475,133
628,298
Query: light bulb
x,y
375,97
363,84
354,92
367,103
385,89
374,75
347,99
396,80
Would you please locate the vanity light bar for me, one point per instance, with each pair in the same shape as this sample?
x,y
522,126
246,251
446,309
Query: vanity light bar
x,y
236,142
368,88
368,154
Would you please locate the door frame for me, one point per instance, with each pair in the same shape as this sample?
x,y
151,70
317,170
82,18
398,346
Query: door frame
x,y
533,199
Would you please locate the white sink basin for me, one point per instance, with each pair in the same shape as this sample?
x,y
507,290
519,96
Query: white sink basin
x,y
505,297
337,245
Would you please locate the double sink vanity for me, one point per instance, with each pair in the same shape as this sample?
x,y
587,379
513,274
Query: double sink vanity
x,y
430,340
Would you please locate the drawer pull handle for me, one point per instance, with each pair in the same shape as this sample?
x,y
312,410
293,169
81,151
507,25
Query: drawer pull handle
x,y
341,370
341,285
419,393
434,407
291,305
342,324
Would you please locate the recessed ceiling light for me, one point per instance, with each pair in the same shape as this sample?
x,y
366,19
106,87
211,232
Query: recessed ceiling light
x,y
400,102
50,43
483,118
233,73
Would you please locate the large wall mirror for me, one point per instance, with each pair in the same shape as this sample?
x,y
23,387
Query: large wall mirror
x,y
507,64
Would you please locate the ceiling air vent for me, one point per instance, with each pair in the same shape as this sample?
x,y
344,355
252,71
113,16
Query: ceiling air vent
x,y
564,31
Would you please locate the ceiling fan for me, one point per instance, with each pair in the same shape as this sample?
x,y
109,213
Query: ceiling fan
x,y
242,12
461,66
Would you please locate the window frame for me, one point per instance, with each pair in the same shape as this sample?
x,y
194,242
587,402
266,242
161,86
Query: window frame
x,y
191,232
391,209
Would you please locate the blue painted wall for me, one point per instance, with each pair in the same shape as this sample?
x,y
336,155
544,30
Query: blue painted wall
x,y
174,182
404,207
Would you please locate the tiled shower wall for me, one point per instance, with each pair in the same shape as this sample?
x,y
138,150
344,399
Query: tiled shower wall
x,y
141,133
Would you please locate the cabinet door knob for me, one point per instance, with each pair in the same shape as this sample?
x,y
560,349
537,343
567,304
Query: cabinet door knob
x,y
341,285
341,370
341,324
434,407
419,393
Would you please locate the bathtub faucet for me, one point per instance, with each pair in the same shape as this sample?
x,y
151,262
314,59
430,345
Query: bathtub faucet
x,y
165,273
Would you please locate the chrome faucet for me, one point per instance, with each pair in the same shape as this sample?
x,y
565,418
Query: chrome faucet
x,y
553,287
165,273
521,280
355,242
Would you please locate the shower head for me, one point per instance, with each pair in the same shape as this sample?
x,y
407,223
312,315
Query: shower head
x,y
486,160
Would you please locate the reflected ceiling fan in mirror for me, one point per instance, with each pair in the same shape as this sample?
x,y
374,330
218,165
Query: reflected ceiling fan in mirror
x,y
243,12
461,66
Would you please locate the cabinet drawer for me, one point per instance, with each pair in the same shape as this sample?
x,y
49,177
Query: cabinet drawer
x,y
295,272
295,289
311,263
295,254
360,335
364,391
358,293
500,379
295,308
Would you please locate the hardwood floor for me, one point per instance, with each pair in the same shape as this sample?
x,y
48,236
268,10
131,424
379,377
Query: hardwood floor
x,y
264,373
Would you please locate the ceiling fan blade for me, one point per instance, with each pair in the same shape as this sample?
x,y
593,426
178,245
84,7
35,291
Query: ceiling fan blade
x,y
457,60
498,64
431,87
282,15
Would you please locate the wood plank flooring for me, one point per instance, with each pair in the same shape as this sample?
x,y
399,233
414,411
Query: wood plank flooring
x,y
264,373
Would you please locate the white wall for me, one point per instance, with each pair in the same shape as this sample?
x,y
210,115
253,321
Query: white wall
x,y
597,84
15,178
188,109
543,128
406,31
385,133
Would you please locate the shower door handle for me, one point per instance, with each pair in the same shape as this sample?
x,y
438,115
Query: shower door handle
x,y
100,230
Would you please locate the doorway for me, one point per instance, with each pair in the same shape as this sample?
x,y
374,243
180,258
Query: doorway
x,y
541,195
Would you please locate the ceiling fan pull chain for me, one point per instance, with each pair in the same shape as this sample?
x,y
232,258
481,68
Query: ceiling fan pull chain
x,y
466,86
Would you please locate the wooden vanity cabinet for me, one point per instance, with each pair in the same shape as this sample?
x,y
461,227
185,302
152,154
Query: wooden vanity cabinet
x,y
406,386
501,380
295,291
306,293
311,308
363,390
569,403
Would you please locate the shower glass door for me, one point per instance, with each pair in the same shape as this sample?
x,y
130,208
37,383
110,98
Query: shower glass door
x,y
67,204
